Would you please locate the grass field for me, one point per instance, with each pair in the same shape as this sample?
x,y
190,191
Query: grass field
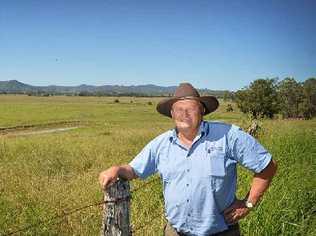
x,y
44,175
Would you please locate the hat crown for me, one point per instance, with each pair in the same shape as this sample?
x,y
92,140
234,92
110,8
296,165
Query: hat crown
x,y
186,90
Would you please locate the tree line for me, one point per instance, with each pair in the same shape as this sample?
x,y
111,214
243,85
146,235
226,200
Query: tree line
x,y
268,97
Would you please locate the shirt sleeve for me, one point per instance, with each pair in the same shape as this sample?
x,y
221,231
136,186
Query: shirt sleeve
x,y
246,150
144,164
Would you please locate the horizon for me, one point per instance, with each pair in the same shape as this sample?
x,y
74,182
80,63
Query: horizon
x,y
93,85
61,85
220,45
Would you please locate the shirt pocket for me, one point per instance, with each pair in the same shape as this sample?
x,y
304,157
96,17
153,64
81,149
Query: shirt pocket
x,y
217,168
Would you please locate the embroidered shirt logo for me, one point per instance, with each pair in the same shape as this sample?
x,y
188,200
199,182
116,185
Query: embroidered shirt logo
x,y
215,148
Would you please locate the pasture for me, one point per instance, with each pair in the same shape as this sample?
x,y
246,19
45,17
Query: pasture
x,y
47,174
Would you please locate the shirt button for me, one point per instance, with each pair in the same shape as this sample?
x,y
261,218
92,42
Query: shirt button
x,y
188,200
189,214
188,170
187,185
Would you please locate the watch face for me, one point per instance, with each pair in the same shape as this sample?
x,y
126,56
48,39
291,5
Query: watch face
x,y
249,205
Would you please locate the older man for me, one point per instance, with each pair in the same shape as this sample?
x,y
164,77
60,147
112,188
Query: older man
x,y
197,163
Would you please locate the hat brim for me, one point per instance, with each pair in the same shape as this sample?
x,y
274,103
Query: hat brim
x,y
210,104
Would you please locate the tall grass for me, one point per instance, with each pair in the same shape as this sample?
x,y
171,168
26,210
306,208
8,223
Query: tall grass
x,y
48,174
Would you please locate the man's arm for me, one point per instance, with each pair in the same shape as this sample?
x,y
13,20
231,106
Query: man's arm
x,y
260,184
110,175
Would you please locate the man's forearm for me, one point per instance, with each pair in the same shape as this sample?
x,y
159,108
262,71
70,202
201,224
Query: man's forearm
x,y
261,182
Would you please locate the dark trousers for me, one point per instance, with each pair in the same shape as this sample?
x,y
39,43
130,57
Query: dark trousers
x,y
233,230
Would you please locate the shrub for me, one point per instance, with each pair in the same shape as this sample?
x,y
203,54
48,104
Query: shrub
x,y
229,108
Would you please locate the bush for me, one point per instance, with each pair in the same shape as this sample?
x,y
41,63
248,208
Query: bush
x,y
259,99
229,108
290,96
291,99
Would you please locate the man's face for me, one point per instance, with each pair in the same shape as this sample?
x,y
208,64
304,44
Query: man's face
x,y
187,114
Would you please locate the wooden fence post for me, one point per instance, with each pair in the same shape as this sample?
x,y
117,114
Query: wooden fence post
x,y
116,210
253,129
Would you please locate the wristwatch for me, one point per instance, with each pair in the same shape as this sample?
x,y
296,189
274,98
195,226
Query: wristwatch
x,y
249,204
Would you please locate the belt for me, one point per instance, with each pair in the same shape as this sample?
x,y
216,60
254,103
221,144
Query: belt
x,y
234,227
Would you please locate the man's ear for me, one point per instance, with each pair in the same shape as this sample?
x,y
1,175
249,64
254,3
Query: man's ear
x,y
171,112
202,108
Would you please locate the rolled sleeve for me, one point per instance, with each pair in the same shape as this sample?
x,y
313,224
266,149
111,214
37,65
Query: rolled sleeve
x,y
248,151
144,164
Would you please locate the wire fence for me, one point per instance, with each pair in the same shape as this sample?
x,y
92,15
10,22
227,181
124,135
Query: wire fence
x,y
59,218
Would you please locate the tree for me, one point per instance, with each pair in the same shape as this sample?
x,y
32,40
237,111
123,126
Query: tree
x,y
229,108
242,98
290,97
260,98
308,105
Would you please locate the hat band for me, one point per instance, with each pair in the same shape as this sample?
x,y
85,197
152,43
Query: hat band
x,y
189,97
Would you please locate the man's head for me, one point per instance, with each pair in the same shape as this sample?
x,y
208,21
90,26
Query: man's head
x,y
186,91
187,113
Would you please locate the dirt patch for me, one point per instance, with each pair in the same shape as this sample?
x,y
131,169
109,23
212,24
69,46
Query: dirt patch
x,y
50,124
44,128
45,131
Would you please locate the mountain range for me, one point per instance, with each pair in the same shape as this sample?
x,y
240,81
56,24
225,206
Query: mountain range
x,y
17,87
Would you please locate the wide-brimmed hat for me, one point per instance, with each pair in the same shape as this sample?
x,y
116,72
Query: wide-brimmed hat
x,y
187,91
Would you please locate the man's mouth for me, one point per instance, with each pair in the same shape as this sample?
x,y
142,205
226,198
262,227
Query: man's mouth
x,y
185,120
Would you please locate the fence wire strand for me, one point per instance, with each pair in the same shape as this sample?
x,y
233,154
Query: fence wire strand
x,y
78,209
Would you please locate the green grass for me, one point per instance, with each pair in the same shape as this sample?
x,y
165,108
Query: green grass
x,y
48,174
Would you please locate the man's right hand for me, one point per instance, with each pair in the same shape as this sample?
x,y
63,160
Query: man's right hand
x,y
109,176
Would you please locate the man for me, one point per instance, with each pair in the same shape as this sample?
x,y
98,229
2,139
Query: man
x,y
197,163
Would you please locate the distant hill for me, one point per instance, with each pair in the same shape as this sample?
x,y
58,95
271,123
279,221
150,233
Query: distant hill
x,y
16,87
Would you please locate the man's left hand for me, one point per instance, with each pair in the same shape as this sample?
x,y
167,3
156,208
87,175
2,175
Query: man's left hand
x,y
235,211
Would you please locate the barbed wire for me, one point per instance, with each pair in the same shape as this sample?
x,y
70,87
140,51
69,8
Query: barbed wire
x,y
75,210
66,214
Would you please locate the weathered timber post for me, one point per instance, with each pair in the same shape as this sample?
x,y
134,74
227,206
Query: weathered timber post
x,y
253,129
116,210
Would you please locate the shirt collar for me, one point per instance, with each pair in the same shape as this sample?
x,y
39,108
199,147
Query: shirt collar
x,y
203,129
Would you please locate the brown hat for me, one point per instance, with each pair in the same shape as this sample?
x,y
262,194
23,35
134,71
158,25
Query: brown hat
x,y
187,91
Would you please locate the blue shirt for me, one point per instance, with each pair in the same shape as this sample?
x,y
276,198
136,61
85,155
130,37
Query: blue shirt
x,y
200,182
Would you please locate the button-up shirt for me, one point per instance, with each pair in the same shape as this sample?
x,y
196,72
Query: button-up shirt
x,y
200,182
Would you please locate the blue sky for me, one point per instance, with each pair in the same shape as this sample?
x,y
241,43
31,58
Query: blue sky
x,y
212,44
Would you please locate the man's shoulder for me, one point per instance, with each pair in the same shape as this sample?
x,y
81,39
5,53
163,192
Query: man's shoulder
x,y
161,138
220,125
221,128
